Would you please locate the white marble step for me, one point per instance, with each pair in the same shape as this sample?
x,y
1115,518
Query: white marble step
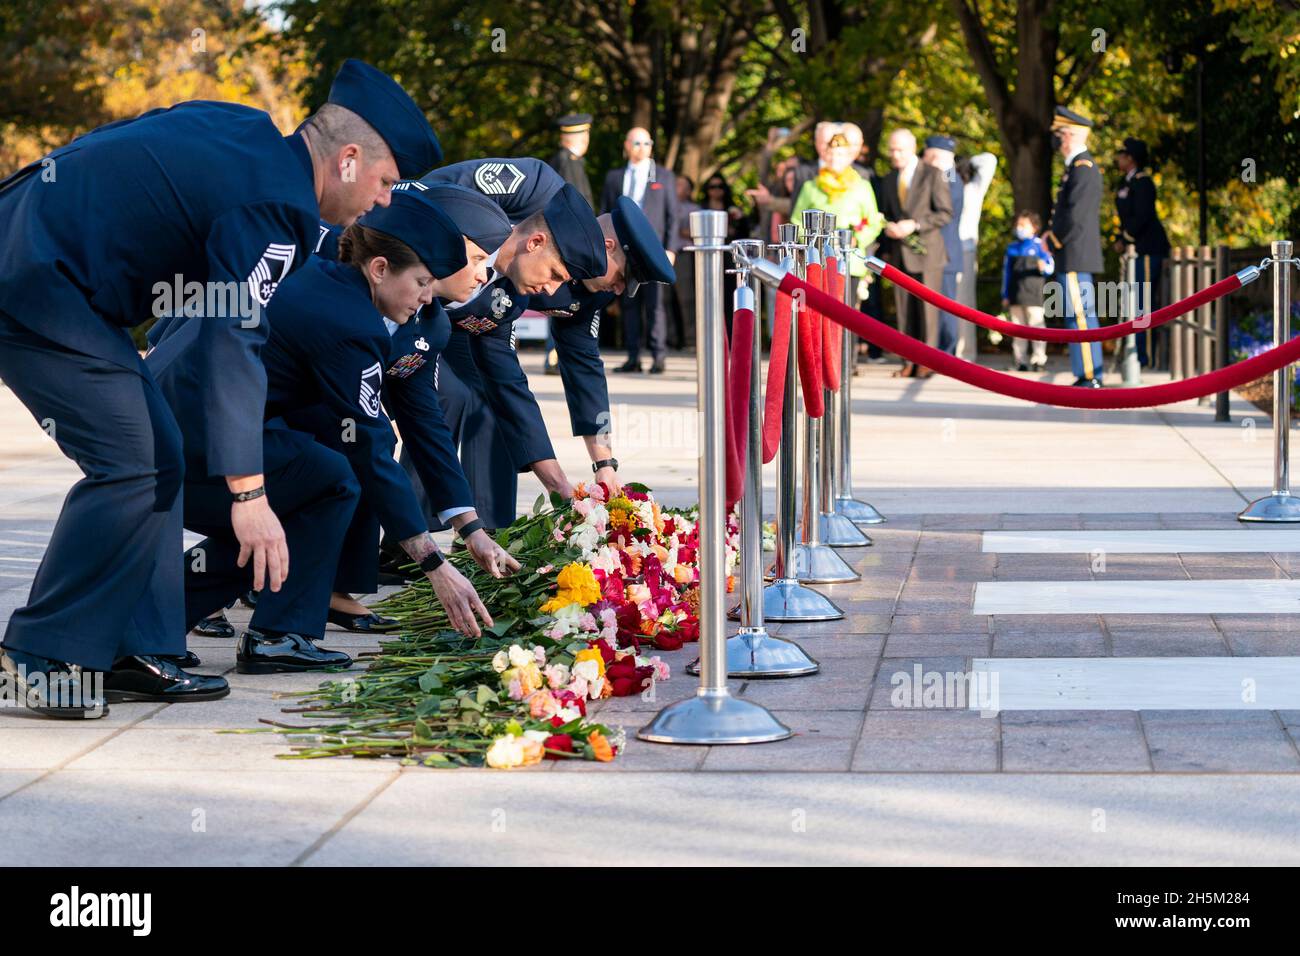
x,y
1218,596
1135,683
1216,541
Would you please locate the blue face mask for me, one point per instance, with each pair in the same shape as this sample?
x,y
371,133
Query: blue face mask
x,y
1024,232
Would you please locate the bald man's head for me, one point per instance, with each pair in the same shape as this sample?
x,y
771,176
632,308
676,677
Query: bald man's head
x,y
902,148
638,145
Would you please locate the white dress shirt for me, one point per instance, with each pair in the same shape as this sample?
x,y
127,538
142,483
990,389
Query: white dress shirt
x,y
636,178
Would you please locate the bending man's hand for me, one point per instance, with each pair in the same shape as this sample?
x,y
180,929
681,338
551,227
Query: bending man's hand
x,y
490,556
261,538
459,599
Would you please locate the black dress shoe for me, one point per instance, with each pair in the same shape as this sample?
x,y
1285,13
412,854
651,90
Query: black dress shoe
x,y
52,688
1087,382
183,661
371,623
628,367
249,600
268,653
657,368
215,626
146,677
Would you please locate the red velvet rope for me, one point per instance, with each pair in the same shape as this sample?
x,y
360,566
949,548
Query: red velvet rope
x,y
774,395
832,333
1068,396
739,372
810,347
1015,330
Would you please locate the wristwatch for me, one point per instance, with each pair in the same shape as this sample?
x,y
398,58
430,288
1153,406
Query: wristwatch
x,y
432,561
249,495
604,463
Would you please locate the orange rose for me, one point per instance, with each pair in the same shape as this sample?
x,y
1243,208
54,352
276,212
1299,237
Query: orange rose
x,y
600,748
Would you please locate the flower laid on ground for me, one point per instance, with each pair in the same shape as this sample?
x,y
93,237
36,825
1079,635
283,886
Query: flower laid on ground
x,y
605,581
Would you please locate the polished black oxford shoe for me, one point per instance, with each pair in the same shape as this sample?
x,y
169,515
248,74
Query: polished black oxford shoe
x,y
370,623
153,678
215,626
1087,382
628,367
249,600
268,653
183,661
50,688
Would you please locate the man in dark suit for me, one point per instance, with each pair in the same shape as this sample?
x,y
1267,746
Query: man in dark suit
x,y
654,189
917,204
1074,240
1140,227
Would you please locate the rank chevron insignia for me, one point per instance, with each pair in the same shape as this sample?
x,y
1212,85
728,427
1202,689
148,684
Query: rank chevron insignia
x,y
270,271
371,380
498,179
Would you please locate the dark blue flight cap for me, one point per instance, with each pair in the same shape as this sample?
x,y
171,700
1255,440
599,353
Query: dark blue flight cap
x,y
479,218
940,141
424,227
646,259
378,100
577,234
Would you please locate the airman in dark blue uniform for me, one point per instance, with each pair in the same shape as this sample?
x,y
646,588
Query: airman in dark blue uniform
x,y
503,423
326,359
410,399
102,234
1140,227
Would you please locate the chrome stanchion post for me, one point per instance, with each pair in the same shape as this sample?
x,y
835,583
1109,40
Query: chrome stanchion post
x,y
1281,505
814,561
1132,368
859,512
712,716
752,651
785,599
837,530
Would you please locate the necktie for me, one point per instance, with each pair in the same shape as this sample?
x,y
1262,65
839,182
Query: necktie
x,y
902,190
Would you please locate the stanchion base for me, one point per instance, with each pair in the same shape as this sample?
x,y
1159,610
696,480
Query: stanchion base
x,y
837,531
788,600
818,564
859,512
712,718
753,653
1274,508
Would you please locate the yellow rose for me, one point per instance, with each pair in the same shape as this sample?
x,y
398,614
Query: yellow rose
x,y
591,654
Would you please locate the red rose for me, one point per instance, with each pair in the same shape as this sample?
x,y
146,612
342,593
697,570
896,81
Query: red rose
x,y
561,742
627,686
685,555
606,652
668,640
556,722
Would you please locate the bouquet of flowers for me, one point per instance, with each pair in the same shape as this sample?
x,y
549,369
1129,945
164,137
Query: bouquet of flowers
x,y
604,582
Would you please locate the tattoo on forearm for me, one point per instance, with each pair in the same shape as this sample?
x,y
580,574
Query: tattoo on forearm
x,y
419,547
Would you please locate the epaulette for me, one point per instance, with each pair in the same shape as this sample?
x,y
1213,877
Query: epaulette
x,y
1141,174
1083,162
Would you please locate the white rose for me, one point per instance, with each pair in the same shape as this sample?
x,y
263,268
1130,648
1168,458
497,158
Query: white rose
x,y
587,670
500,662
520,657
506,752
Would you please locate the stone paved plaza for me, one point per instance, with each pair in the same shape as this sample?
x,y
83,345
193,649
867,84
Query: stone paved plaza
x,y
1140,762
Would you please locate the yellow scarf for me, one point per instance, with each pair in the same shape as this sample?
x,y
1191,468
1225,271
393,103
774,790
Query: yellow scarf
x,y
834,184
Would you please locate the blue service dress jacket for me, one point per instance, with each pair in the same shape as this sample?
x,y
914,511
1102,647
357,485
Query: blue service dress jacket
x,y
203,208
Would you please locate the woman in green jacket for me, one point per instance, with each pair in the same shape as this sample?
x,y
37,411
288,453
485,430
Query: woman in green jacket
x,y
839,189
